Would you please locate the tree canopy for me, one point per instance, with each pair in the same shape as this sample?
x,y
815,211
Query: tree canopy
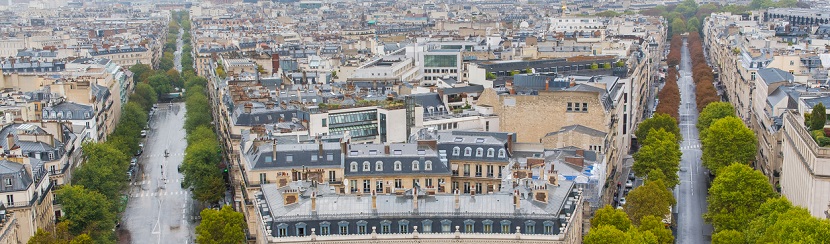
x,y
658,121
659,151
712,112
87,212
728,141
223,226
735,197
818,117
650,199
610,216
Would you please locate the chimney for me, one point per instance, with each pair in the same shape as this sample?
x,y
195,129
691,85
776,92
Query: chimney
x,y
313,202
274,152
386,149
248,107
10,141
580,152
516,201
547,84
374,201
269,105
510,143
457,205
320,149
415,198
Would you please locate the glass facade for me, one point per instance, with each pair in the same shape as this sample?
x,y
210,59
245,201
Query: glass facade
x,y
440,60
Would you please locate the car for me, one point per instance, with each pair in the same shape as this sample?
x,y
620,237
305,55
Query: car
x,y
631,176
143,133
629,184
140,149
155,106
133,162
622,201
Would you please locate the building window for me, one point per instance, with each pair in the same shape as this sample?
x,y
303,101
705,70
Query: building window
x,y
428,165
324,123
445,226
426,226
379,185
584,107
367,186
361,227
548,227
505,226
353,167
9,200
385,226
456,151
466,170
344,227
313,158
366,166
415,165
491,152
576,107
300,229
501,153
530,227
398,183
468,151
570,107
398,166
324,228
330,157
479,152
282,230
378,166
403,226
8,181
263,179
468,225
487,226
428,182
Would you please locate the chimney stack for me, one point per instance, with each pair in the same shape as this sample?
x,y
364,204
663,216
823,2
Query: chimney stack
x,y
457,205
374,201
248,107
415,198
314,202
516,200
274,152
10,141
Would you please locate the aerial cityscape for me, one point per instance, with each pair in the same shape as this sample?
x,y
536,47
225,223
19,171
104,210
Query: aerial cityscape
x,y
401,121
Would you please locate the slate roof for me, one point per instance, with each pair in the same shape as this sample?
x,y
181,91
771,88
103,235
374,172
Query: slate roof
x,y
474,140
773,75
294,155
579,129
260,115
31,148
405,154
21,179
427,100
101,93
69,111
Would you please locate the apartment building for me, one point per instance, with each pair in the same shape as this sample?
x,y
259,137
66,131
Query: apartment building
x,y
27,194
125,56
805,177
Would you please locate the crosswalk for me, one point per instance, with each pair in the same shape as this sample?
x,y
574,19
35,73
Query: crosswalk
x,y
696,146
162,155
160,194
141,183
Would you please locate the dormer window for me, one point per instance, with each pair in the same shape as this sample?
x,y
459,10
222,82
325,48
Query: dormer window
x,y
8,181
491,152
378,166
353,167
415,165
501,153
456,151
479,152
366,166
397,165
468,151
428,165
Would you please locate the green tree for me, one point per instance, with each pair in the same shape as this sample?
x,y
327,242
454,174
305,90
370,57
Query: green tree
x,y
606,66
650,199
139,70
87,212
201,171
490,76
728,141
712,112
693,22
103,170
175,78
728,237
161,83
655,175
768,215
145,96
660,151
678,26
612,217
221,226
658,121
605,234
515,72
818,117
594,66
797,226
60,235
656,227
528,71
735,197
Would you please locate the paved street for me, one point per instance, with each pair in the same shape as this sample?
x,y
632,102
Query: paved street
x,y
159,210
691,193
177,59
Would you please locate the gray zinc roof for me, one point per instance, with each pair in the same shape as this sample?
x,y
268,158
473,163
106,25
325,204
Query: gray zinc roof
x,y
774,75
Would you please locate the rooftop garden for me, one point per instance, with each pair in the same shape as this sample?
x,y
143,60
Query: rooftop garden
x,y
815,122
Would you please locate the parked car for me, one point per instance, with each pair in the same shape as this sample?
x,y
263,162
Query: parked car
x,y
622,201
140,149
629,184
143,133
631,176
134,162
155,106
